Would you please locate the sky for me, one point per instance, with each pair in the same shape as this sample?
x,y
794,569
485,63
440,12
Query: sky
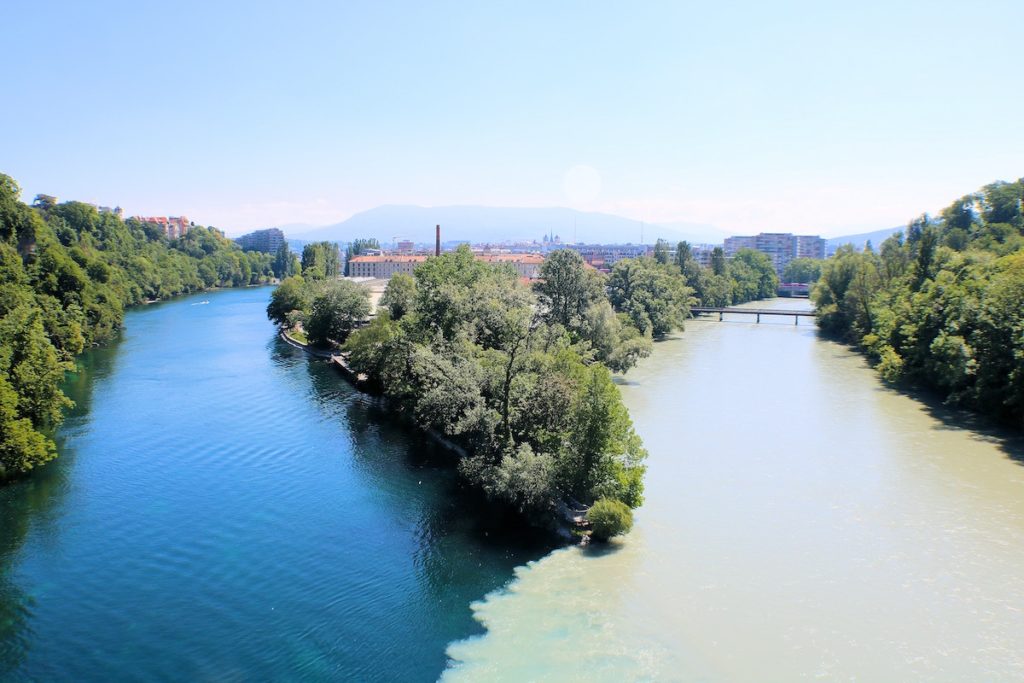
x,y
820,117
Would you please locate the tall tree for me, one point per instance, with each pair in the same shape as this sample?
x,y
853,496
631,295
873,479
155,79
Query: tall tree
x,y
718,261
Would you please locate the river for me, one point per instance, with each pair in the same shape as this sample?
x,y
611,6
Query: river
x,y
802,521
225,508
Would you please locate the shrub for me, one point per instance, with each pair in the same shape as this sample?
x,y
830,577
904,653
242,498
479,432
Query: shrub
x,y
609,517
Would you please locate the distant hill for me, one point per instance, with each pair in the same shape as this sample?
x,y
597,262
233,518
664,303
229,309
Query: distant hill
x,y
860,239
498,224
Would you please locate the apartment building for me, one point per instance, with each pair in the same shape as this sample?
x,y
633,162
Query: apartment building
x,y
781,247
268,241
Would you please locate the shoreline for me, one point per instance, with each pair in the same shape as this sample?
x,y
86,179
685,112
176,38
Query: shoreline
x,y
565,520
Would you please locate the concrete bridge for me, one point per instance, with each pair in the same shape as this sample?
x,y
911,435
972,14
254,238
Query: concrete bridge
x,y
758,312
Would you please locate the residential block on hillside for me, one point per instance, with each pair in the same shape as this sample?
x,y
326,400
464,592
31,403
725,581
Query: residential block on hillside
x,y
268,241
173,226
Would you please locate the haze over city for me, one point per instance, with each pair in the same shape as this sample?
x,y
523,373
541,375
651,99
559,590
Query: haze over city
x,y
752,117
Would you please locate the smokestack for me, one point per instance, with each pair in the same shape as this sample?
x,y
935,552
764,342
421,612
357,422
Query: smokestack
x,y
437,242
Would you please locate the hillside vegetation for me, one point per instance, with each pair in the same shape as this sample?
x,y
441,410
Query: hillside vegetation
x,y
67,273
942,305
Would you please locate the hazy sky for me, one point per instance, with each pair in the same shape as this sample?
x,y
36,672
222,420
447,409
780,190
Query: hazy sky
x,y
821,116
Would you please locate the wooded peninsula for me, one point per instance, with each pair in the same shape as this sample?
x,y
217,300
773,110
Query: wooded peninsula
x,y
519,377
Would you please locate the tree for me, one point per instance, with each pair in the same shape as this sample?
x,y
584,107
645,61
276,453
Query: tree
x,y
566,289
400,295
608,518
718,261
285,263
291,295
321,260
753,276
338,305
803,270
661,254
655,298
684,256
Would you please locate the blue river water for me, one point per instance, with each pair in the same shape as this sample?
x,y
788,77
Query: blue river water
x,y
226,508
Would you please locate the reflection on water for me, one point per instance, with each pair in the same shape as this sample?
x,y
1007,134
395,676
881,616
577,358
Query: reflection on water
x,y
225,508
801,521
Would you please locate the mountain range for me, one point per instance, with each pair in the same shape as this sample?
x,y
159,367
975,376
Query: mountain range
x,y
861,239
500,224
484,224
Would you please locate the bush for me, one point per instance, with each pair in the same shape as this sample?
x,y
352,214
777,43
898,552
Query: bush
x,y
609,517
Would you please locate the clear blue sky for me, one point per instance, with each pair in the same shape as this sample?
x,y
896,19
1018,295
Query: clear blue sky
x,y
809,116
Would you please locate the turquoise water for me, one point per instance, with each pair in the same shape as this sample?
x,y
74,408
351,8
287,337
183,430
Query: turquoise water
x,y
225,508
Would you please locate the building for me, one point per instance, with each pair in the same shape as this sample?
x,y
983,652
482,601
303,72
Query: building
x,y
604,256
384,266
526,265
808,246
702,254
173,226
405,247
781,247
268,241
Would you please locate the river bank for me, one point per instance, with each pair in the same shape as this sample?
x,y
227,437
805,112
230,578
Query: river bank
x,y
801,520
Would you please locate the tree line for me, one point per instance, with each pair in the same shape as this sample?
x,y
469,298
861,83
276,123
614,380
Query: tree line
x,y
519,377
941,304
748,276
67,273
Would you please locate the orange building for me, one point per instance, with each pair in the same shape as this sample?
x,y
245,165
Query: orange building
x,y
383,267
173,226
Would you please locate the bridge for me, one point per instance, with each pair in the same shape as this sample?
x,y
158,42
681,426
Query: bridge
x,y
794,289
722,310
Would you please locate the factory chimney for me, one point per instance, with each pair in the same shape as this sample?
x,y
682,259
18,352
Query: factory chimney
x,y
437,242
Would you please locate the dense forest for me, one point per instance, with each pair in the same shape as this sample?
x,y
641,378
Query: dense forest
x,y
519,377
67,273
941,306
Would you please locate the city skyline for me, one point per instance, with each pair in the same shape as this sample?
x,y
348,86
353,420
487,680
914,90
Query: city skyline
x,y
748,118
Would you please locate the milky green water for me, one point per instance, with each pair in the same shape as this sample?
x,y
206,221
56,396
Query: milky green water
x,y
802,522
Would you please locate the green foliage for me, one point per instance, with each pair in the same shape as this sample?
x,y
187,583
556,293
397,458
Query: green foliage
x,y
943,308
753,276
67,272
718,261
399,295
336,308
804,270
654,296
290,296
285,264
572,296
513,378
320,261
661,254
609,518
